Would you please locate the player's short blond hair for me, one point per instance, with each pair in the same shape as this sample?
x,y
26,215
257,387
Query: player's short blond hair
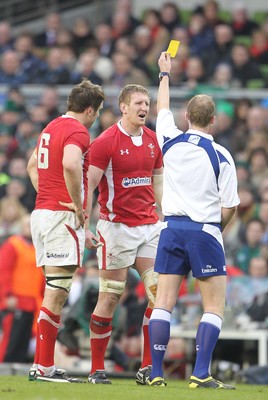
x,y
201,110
127,91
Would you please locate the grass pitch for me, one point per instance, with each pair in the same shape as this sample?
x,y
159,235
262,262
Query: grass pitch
x,y
18,388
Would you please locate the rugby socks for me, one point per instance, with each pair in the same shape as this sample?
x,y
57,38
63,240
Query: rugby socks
x,y
37,348
100,333
146,354
47,335
206,338
159,330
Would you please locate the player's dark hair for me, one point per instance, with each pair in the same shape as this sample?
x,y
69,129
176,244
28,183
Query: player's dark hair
x,y
201,110
85,95
128,90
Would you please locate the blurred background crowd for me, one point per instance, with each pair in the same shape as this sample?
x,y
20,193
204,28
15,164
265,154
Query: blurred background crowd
x,y
221,51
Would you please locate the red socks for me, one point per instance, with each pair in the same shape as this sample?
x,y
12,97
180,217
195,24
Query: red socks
x,y
100,333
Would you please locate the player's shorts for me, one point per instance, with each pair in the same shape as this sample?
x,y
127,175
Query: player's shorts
x,y
186,245
123,244
55,238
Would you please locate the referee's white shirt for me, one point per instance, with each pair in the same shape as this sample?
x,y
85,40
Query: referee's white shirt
x,y
197,182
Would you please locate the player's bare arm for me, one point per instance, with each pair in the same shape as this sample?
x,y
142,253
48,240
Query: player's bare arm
x,y
94,176
164,64
158,185
32,170
226,216
72,171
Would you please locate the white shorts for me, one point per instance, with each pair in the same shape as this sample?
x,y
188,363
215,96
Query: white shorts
x,y
55,238
123,244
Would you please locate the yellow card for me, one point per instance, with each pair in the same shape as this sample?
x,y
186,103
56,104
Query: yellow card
x,y
173,47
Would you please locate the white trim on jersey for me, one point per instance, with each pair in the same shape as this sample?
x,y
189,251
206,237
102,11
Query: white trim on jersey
x,y
110,185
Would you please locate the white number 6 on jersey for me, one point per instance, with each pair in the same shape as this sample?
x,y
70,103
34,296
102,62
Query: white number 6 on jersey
x,y
42,160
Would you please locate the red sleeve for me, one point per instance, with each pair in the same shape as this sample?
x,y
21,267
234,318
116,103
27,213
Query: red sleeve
x,y
100,153
80,139
7,262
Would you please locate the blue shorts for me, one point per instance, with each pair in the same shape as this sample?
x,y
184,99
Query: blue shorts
x,y
186,245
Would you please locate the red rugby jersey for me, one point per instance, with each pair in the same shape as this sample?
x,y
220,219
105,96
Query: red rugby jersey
x,y
125,190
59,133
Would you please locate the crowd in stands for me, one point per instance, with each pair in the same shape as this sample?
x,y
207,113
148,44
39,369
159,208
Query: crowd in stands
x,y
216,53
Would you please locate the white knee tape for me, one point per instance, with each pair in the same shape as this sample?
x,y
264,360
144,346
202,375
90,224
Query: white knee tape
x,y
55,281
107,285
150,278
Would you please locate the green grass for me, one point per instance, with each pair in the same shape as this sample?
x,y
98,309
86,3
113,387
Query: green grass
x,y
18,388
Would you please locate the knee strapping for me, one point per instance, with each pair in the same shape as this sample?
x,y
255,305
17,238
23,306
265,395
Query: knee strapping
x,y
149,278
110,286
54,281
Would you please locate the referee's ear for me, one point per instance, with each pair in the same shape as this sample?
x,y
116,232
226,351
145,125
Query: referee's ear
x,y
213,119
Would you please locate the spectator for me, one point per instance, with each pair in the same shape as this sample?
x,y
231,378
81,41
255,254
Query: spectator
x,y
194,74
10,71
124,73
211,13
48,37
263,215
222,77
201,35
49,98
105,41
11,210
82,34
223,125
240,22
248,207
122,21
56,72
25,135
243,67
159,34
256,121
85,67
31,65
6,39
21,291
258,166
170,16
220,50
240,128
259,47
254,231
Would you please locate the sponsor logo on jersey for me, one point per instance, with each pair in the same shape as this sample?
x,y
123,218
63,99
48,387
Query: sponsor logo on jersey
x,y
208,269
57,255
122,152
138,181
194,139
160,347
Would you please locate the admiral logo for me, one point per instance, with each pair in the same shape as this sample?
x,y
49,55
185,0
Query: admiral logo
x,y
194,139
57,255
131,182
160,347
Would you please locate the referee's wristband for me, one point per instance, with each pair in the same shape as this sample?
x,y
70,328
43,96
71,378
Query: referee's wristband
x,y
162,74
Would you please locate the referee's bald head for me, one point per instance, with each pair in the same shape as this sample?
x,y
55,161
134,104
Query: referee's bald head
x,y
201,110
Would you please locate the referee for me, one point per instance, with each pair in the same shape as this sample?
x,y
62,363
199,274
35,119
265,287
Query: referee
x,y
199,200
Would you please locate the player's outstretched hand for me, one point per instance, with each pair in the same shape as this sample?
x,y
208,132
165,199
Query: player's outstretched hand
x,y
164,62
92,242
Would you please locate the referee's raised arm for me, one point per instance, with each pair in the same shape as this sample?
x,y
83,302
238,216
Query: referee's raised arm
x,y
164,63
